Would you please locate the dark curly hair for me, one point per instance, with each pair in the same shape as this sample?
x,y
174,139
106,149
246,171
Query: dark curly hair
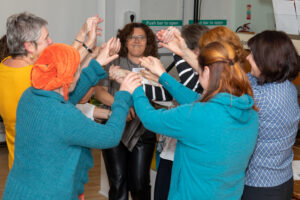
x,y
151,46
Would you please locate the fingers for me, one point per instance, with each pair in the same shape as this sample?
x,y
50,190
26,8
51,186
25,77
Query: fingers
x,y
132,76
168,35
99,31
145,62
128,118
114,47
165,45
118,45
114,67
149,75
176,30
160,34
153,64
107,53
110,59
110,41
148,62
100,20
132,113
117,74
131,82
178,36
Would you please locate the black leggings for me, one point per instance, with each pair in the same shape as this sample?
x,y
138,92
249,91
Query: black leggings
x,y
130,171
280,192
163,179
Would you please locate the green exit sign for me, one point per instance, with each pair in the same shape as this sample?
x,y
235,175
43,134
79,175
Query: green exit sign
x,y
162,22
211,22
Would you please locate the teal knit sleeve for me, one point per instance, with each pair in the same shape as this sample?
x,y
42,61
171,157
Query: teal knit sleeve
x,y
182,94
88,78
166,122
84,132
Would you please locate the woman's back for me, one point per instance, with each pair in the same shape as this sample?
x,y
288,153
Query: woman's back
x,y
216,144
279,116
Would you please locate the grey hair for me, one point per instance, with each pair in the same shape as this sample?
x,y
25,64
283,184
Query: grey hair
x,y
21,28
191,34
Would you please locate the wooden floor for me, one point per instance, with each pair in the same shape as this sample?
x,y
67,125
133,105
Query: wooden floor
x,y
91,191
93,186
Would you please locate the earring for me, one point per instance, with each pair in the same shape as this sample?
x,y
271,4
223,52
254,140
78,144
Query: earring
x,y
32,56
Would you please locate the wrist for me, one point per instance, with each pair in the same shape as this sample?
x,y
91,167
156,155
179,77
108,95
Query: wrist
x,y
108,114
85,45
89,43
160,73
81,35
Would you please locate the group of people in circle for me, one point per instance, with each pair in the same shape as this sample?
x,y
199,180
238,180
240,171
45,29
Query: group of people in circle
x,y
228,134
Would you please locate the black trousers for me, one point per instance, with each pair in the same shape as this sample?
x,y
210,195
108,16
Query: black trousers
x,y
163,179
130,171
280,192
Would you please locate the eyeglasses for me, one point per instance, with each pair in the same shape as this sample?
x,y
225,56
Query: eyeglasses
x,y
136,37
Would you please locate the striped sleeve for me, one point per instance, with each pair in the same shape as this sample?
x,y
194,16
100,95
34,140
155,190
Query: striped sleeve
x,y
187,76
157,93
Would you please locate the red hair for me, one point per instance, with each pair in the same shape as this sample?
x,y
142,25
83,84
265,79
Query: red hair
x,y
226,75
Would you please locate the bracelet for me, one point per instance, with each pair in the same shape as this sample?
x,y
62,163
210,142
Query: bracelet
x,y
84,45
87,48
78,41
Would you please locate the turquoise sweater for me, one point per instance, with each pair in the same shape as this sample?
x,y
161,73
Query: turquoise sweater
x,y
52,155
215,140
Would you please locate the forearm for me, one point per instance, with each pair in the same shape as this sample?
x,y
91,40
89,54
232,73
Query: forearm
x,y
157,93
158,121
85,132
191,58
101,113
187,75
78,44
102,95
182,94
88,78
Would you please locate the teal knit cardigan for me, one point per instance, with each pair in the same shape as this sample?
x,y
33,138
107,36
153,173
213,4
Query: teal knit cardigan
x,y
52,155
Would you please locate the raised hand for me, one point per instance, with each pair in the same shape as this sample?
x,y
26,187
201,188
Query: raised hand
x,y
93,30
177,45
89,30
115,47
117,74
131,82
153,64
149,75
167,35
104,56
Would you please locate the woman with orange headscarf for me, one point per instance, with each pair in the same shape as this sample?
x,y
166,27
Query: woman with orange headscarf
x,y
26,37
53,137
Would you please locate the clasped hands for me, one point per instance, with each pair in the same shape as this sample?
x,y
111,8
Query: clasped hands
x,y
133,80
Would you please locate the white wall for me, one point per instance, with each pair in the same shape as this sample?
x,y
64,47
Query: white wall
x,y
65,17
113,12
262,14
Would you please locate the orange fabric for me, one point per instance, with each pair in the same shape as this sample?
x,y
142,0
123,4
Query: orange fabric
x,y
55,68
